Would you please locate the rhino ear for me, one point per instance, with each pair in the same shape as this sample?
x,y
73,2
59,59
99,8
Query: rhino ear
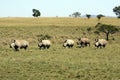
x,y
96,40
39,40
65,41
14,40
79,39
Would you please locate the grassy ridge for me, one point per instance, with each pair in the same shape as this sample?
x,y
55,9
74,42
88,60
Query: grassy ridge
x,y
58,28
56,21
57,63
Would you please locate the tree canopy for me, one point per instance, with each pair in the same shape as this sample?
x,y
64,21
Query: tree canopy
x,y
107,29
99,16
76,14
36,13
116,10
88,16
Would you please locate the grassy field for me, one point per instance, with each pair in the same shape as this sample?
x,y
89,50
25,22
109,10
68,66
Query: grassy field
x,y
57,63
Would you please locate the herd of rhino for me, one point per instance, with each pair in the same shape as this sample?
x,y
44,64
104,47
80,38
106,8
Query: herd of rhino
x,y
69,43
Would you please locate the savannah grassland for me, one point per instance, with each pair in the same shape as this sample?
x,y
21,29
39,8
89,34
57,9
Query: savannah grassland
x,y
57,63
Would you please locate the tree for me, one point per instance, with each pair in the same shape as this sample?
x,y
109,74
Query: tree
x,y
36,13
76,14
70,15
88,16
100,16
116,10
107,29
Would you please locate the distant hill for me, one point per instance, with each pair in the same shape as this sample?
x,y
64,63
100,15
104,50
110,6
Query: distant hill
x,y
94,16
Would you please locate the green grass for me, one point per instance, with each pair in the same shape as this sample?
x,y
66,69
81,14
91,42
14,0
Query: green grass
x,y
57,63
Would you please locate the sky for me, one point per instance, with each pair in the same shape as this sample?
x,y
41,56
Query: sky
x,y
53,8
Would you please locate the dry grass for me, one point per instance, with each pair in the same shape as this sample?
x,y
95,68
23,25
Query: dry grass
x,y
58,28
57,63
56,21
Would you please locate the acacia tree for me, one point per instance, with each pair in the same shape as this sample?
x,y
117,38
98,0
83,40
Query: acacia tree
x,y
107,29
88,16
76,14
36,13
116,10
100,16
